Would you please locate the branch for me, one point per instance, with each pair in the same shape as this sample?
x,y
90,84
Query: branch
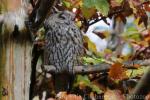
x,y
81,69
32,3
36,53
104,17
130,64
142,88
103,67
39,13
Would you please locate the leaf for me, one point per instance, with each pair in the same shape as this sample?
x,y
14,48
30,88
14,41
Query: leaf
x,y
84,79
147,7
147,97
78,23
51,99
91,46
100,5
65,96
136,65
117,72
83,82
119,1
66,3
127,9
72,3
115,3
137,2
113,95
36,98
123,18
127,50
132,6
141,13
96,89
88,3
132,32
73,97
93,61
144,19
88,12
136,72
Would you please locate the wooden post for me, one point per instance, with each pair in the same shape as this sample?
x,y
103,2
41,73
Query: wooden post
x,y
15,60
15,67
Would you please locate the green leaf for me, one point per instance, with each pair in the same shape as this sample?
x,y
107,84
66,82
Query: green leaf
x,y
88,3
100,5
83,79
132,32
96,89
67,4
42,30
90,60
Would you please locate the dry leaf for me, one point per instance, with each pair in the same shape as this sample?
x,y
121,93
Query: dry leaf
x,y
36,98
65,96
51,99
146,6
115,3
113,95
147,96
73,97
90,45
136,65
82,85
117,72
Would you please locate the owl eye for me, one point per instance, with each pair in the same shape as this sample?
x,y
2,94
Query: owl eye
x,y
62,16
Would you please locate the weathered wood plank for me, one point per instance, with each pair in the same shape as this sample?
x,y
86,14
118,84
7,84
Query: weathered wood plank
x,y
15,66
15,59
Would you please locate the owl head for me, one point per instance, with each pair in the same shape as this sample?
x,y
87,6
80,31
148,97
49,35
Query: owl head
x,y
66,15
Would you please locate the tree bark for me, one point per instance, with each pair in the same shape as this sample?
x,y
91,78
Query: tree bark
x,y
103,67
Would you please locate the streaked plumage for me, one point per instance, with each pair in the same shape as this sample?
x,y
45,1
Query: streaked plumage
x,y
64,42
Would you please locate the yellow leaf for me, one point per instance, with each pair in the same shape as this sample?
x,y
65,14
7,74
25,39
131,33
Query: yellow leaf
x,y
91,46
136,21
79,23
136,72
73,3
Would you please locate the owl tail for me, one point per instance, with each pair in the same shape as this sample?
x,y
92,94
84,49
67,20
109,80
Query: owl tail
x,y
63,82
